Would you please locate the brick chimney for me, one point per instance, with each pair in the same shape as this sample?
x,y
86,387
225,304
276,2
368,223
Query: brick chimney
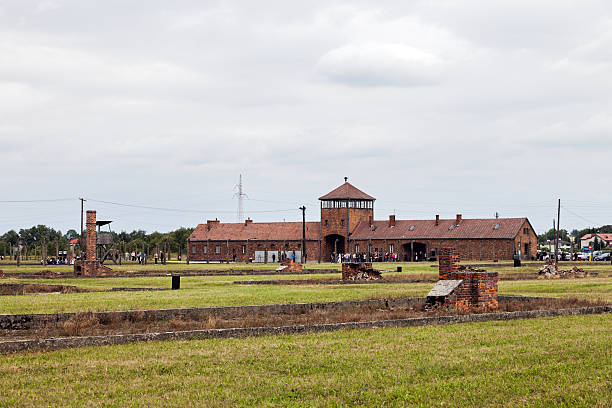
x,y
211,223
437,219
90,253
392,220
458,220
248,221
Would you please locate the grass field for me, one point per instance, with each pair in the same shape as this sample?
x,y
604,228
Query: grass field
x,y
220,291
564,362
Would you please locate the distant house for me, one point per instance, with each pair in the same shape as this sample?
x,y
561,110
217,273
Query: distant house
x,y
550,245
587,239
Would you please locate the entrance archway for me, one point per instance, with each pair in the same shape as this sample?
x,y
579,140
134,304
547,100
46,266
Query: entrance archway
x,y
334,245
417,251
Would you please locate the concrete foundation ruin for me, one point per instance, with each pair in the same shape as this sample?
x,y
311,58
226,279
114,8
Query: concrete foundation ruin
x,y
352,271
463,289
90,266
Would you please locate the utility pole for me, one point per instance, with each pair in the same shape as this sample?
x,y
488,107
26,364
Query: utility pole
x,y
557,235
81,236
303,208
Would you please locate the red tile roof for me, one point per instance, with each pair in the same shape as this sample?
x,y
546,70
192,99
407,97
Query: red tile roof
x,y
346,191
508,228
260,231
605,237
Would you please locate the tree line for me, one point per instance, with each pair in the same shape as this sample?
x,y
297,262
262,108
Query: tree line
x,y
32,240
550,235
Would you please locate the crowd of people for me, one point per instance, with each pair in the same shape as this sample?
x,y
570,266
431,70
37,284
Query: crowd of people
x,y
363,257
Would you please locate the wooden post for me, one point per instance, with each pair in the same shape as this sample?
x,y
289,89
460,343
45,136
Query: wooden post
x,y
43,252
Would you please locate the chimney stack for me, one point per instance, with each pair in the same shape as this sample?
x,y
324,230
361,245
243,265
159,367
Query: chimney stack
x,y
437,220
248,221
458,220
392,220
91,239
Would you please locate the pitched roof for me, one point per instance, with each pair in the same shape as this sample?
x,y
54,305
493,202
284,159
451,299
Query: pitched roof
x,y
508,228
259,231
605,237
346,191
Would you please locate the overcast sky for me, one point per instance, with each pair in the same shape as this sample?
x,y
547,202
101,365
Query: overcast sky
x,y
432,107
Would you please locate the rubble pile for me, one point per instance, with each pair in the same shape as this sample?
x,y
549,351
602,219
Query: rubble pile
x,y
353,271
550,270
1,274
289,266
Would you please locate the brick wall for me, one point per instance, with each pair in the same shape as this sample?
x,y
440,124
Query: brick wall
x,y
478,290
227,249
527,237
468,249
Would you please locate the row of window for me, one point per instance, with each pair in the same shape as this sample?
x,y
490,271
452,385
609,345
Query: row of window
x,y
243,248
326,223
347,203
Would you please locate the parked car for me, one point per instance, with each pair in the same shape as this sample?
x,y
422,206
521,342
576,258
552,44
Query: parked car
x,y
582,256
602,256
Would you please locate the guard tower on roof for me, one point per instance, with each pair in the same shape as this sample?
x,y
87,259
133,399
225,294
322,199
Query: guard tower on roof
x,y
342,209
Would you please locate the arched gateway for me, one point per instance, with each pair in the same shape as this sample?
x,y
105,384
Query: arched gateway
x,y
341,211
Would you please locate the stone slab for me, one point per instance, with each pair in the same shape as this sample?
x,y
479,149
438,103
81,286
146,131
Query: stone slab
x,y
444,287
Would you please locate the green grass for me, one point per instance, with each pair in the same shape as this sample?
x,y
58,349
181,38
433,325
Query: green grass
x,y
205,291
562,361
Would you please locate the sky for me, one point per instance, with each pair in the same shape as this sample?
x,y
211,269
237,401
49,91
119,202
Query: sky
x,y
432,107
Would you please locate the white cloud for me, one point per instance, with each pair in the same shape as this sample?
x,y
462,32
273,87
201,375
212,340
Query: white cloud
x,y
463,102
380,64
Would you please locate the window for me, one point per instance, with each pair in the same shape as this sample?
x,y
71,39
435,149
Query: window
x,y
391,248
411,228
526,231
205,249
193,249
356,247
218,249
342,222
244,249
326,224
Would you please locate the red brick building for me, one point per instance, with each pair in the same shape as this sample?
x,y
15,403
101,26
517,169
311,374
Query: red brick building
x,y
347,225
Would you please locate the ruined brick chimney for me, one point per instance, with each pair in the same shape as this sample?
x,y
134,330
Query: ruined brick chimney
x,y
90,253
392,220
437,220
90,266
463,289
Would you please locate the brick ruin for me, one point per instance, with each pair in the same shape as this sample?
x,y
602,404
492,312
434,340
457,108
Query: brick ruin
x,y
463,289
359,271
90,266
289,266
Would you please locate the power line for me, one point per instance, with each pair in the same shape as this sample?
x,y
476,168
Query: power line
x,y
579,216
146,207
38,201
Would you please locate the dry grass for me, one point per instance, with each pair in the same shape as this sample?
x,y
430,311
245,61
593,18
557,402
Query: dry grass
x,y
88,323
